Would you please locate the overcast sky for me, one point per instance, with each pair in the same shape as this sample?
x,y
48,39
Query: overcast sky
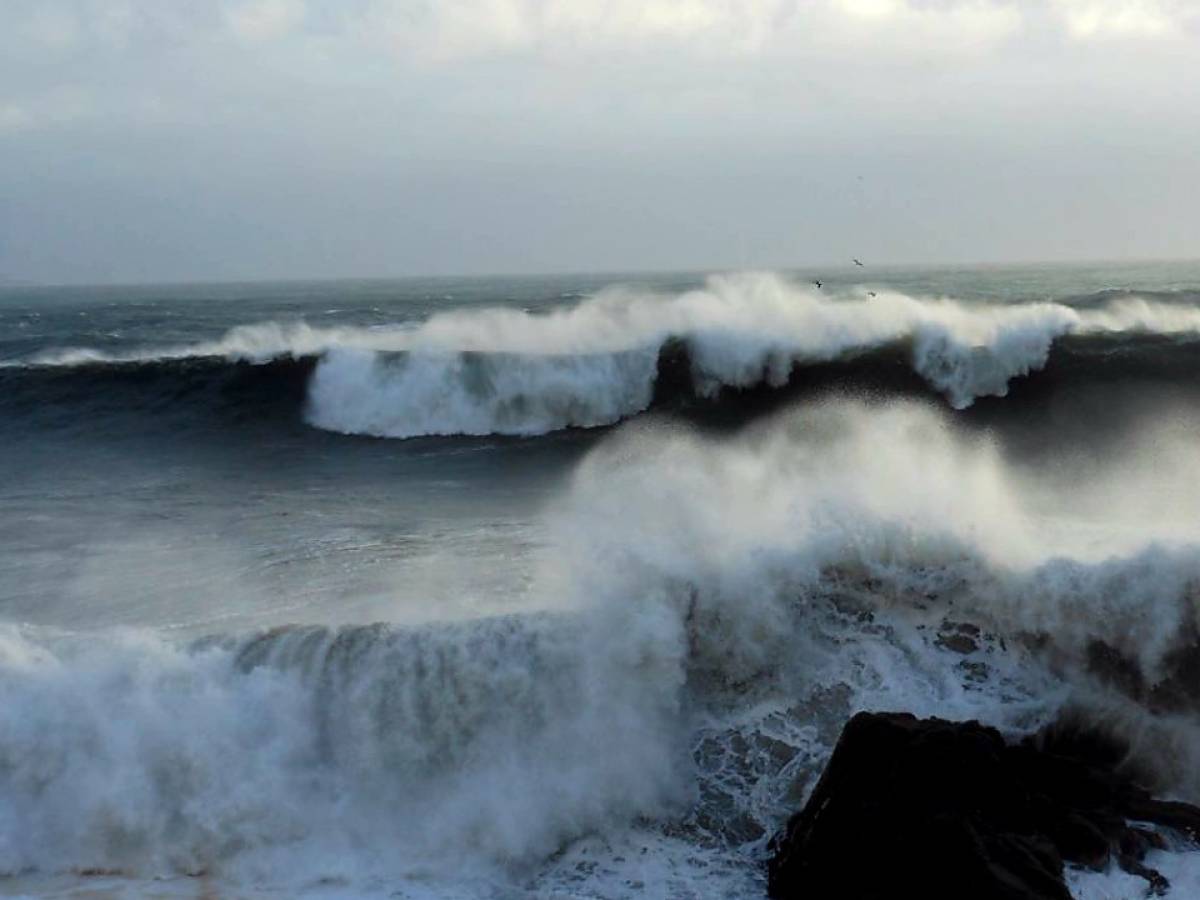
x,y
217,139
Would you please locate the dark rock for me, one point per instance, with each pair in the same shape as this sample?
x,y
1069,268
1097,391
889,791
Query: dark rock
x,y
957,643
1116,669
929,808
1175,688
1178,690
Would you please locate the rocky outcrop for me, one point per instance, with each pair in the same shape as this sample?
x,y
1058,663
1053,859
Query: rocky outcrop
x,y
927,808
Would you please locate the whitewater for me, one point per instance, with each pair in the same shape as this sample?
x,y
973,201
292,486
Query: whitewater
x,y
569,597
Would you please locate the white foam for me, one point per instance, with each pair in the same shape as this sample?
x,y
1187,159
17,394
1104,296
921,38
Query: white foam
x,y
711,590
313,754
420,393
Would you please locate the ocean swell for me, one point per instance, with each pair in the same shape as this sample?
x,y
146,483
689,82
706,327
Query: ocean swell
x,y
506,371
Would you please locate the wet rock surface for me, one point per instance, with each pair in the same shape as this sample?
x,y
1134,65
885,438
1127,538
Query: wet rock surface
x,y
931,808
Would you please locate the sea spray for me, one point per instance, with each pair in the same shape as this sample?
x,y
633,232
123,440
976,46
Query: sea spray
x,y
719,606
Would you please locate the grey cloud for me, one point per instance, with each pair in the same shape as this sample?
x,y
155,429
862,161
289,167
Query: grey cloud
x,y
266,138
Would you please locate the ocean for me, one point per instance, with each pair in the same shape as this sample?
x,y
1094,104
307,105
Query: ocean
x,y
563,587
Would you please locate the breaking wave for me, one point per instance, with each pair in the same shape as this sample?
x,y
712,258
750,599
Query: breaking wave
x,y
620,352
713,611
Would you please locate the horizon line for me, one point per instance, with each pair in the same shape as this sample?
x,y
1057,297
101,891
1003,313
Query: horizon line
x,y
17,282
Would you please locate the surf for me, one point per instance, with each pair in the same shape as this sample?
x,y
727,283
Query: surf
x,y
719,602
622,351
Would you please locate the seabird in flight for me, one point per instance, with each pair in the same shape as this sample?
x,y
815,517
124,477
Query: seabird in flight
x,y
818,284
857,261
870,293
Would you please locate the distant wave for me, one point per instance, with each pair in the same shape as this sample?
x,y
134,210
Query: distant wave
x,y
507,371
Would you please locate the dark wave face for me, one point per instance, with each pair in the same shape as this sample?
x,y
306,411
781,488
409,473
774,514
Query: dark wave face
x,y
168,393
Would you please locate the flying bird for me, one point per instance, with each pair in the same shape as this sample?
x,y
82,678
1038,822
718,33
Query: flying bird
x,y
818,284
857,261
870,293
